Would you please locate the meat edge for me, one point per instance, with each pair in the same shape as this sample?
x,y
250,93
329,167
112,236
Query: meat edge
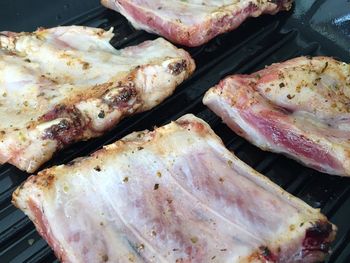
x,y
196,35
168,74
217,95
322,231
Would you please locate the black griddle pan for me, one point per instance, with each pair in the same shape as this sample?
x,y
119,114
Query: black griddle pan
x,y
312,27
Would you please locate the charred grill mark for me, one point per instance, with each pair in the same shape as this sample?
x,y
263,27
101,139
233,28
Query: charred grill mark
x,y
101,114
44,179
122,96
266,253
68,129
316,238
55,130
177,67
53,114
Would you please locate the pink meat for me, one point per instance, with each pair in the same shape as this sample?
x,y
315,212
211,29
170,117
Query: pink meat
x,y
298,108
193,22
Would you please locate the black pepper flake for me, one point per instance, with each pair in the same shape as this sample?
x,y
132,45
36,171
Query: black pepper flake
x,y
290,96
282,85
156,186
97,168
126,179
140,148
101,115
85,65
223,249
325,67
141,247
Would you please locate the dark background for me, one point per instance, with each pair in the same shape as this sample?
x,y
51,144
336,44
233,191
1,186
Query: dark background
x,y
312,27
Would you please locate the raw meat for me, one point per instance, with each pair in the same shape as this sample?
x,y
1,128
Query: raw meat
x,y
65,84
172,195
299,107
193,22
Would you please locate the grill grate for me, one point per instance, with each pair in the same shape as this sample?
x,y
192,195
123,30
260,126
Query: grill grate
x,y
257,43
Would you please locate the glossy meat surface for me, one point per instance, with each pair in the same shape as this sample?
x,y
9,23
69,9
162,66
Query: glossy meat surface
x,y
65,84
299,108
175,194
193,22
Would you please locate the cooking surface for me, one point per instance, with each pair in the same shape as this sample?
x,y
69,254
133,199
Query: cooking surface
x,y
314,27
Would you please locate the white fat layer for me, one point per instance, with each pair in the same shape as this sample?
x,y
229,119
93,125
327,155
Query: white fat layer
x,y
54,64
75,66
182,195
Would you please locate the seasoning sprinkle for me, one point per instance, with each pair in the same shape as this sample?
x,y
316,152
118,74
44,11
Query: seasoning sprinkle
x,y
194,240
